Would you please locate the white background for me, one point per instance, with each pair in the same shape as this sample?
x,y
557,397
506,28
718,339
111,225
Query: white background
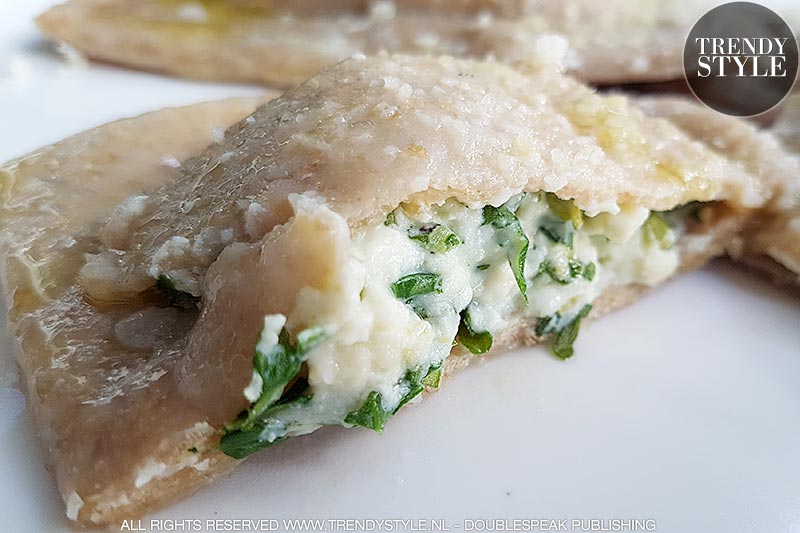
x,y
684,408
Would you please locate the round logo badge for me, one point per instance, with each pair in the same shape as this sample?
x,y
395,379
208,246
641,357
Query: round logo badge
x,y
741,59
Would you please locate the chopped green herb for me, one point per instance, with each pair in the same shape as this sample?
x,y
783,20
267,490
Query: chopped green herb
x,y
433,377
547,324
477,343
576,270
565,339
371,414
412,285
176,298
566,334
510,235
548,268
656,230
412,383
565,210
280,365
589,270
263,433
193,449
558,231
276,369
240,444
582,270
434,237
482,267
391,219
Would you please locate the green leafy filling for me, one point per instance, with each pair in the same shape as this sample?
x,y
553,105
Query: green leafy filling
x,y
558,231
415,381
477,343
656,230
417,284
410,286
176,298
566,334
435,238
276,369
566,210
373,414
434,377
240,443
262,425
510,235
575,270
567,218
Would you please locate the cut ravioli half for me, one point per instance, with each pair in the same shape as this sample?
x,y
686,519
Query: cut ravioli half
x,y
284,42
343,248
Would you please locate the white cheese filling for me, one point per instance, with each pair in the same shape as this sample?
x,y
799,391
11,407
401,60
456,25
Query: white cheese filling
x,y
373,337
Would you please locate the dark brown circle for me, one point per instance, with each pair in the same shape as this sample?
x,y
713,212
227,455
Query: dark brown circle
x,y
741,59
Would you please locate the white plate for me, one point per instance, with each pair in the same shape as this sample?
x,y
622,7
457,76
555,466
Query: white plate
x,y
682,409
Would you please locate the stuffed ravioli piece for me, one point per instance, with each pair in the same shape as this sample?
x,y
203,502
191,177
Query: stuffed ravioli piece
x,y
342,249
284,42
771,241
54,204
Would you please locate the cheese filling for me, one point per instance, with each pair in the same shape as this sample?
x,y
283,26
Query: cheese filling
x,y
430,277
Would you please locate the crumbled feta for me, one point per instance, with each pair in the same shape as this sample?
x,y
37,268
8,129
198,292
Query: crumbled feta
x,y
273,324
74,505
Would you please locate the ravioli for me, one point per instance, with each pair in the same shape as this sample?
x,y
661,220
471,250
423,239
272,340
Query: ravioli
x,y
344,247
280,42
